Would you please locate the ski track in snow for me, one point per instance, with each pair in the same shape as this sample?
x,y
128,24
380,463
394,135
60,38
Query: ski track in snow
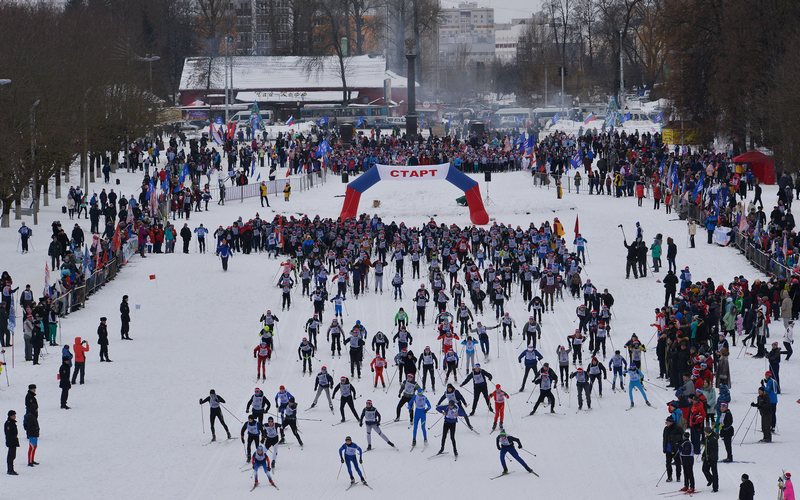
x,y
133,427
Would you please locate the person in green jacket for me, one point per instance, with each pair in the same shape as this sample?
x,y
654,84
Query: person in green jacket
x,y
655,253
401,318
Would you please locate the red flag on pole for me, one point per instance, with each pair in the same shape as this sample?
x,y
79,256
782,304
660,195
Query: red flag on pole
x,y
577,226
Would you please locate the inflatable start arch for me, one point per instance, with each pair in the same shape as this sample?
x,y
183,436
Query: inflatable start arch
x,y
477,212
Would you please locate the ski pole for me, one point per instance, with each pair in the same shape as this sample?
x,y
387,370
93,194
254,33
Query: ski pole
x,y
340,470
531,395
234,416
748,428
558,395
437,421
526,451
749,409
202,419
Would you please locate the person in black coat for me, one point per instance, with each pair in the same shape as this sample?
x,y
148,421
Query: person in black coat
x,y
102,339
670,287
125,318
186,234
726,430
670,443
64,383
710,457
672,252
12,441
30,422
37,342
630,260
746,489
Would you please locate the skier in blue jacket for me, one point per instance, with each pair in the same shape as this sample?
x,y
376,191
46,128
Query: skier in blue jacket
x,y
635,382
532,357
421,406
451,413
505,444
347,454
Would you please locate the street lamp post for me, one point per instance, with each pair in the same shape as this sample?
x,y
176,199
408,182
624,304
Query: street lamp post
x,y
621,74
149,59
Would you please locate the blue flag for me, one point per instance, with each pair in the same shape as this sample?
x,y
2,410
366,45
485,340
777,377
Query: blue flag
x,y
577,158
698,188
359,121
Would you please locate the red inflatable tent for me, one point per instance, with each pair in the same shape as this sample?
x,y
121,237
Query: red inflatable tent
x,y
763,166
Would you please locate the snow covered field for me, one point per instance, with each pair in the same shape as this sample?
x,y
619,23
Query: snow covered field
x,y
132,431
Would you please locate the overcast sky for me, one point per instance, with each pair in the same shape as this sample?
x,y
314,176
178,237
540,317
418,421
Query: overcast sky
x,y
504,10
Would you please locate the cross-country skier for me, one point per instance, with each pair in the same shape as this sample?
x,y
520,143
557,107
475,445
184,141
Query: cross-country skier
x,y
508,324
687,460
377,365
469,351
347,454
348,395
618,366
420,406
289,416
635,382
305,352
260,404
428,362
597,372
270,437
215,412
584,388
379,343
499,397
262,352
253,429
372,418
333,335
505,443
451,413
323,382
546,379
531,357
407,390
261,461
479,378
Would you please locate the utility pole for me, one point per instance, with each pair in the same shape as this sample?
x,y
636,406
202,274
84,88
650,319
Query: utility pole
x,y
545,85
562,70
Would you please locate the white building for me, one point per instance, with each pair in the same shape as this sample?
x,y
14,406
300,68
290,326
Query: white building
x,y
466,34
506,39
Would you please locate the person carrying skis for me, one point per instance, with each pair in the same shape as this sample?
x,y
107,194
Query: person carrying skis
x,y
635,382
545,380
584,387
253,430
451,413
262,352
499,397
348,395
420,405
323,382
260,405
305,352
531,357
347,454
505,443
479,378
261,461
215,412
372,418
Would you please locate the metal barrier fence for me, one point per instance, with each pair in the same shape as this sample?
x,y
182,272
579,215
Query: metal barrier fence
x,y
76,297
274,187
686,210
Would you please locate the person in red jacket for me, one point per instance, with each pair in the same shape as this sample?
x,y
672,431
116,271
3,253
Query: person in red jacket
x,y
639,193
263,353
377,365
499,397
697,418
79,349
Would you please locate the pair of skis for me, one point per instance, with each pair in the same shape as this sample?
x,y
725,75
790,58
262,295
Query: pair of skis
x,y
509,473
